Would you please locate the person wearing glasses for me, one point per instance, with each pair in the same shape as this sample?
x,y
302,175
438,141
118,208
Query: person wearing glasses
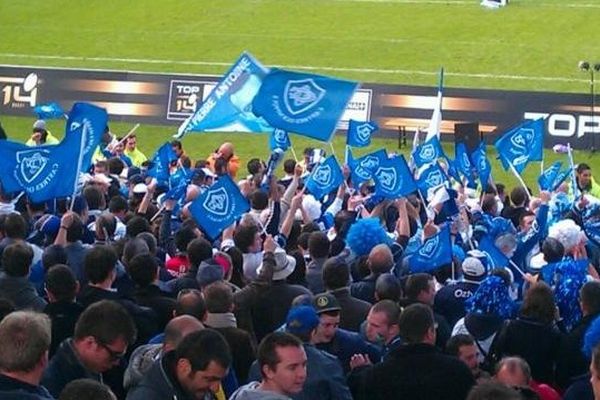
x,y
103,333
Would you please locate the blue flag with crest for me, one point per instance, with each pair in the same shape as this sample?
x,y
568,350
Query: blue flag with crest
x,y
48,172
325,178
161,162
496,258
522,144
359,133
363,168
306,104
482,165
431,177
279,139
393,178
219,206
546,179
428,152
435,252
94,119
51,110
462,161
228,107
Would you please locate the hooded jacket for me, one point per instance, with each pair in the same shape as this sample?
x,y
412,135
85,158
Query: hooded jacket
x,y
252,391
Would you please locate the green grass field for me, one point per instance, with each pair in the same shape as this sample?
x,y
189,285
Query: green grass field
x,y
530,45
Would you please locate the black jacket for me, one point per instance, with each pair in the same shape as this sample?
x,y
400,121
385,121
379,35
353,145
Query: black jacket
x,y
159,301
63,315
13,389
354,311
532,340
415,372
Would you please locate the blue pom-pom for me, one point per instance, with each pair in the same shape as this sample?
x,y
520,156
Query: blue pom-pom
x,y
366,234
491,297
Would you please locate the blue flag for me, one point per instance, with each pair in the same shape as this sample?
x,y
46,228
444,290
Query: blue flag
x,y
521,145
431,177
306,104
363,168
546,179
325,178
435,252
219,206
496,258
161,162
279,139
428,152
482,165
51,110
393,179
462,161
94,119
43,172
228,108
560,178
359,133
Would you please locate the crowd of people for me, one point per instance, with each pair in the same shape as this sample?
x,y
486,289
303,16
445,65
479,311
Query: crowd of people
x,y
124,296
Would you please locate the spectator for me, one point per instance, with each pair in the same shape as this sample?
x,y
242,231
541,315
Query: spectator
x,y
135,155
14,285
318,249
380,261
515,372
464,348
86,389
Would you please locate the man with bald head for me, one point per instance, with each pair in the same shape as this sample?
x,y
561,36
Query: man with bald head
x,y
380,261
144,356
224,160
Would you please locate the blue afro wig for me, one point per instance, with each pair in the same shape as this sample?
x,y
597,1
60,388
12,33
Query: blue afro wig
x,y
366,234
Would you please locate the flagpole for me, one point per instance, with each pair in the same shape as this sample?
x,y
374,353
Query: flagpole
x,y
79,162
128,134
572,165
519,178
294,153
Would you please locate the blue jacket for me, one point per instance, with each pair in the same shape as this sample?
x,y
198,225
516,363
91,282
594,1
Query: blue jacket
x,y
13,389
450,300
345,344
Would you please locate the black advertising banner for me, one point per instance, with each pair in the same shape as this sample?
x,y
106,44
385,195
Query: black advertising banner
x,y
167,99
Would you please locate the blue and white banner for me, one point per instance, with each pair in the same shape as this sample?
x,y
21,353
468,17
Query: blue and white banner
x,y
363,168
463,163
161,162
94,119
51,110
279,139
496,258
482,165
228,108
428,152
435,252
522,144
431,177
219,206
307,104
325,178
359,133
393,179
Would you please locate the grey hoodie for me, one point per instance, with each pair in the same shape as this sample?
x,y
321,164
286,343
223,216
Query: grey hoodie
x,y
140,362
252,391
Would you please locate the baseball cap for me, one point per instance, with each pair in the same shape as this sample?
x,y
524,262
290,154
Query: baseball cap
x,y
326,302
301,319
140,188
473,269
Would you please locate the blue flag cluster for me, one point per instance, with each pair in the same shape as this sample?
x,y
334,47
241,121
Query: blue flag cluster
x,y
325,178
359,133
431,177
51,110
552,177
219,206
306,104
363,168
435,252
48,172
521,145
393,178
161,162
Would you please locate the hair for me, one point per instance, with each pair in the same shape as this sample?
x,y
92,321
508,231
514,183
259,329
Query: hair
x,y
117,204
177,144
391,310
553,250
493,391
150,240
512,363
53,255
336,273
318,245
99,262
143,269
518,196
525,214
503,274
198,250
106,321
244,237
94,198
190,302
88,389
61,282
415,321
137,225
416,283
456,342
106,224
16,259
25,338
387,287
115,165
15,226
75,230
488,203
259,200
582,167
101,164
289,166
254,166
590,297
218,297
183,237
539,303
267,349
203,347
132,248
380,259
